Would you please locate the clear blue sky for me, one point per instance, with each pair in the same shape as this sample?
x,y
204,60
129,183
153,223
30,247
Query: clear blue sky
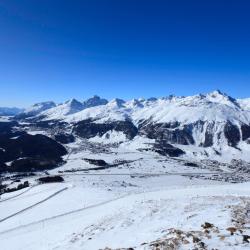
x,y
56,49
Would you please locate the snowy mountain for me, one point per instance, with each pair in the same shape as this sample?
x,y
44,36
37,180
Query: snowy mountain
x,y
36,109
214,106
51,111
112,111
214,122
94,101
5,111
60,111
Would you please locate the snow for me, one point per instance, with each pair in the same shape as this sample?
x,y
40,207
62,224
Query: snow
x,y
60,111
4,118
7,208
104,113
140,197
123,206
94,101
244,103
36,132
39,107
110,137
137,143
214,106
212,111
221,98
189,110
94,218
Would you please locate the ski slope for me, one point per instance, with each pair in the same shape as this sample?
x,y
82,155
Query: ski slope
x,y
111,220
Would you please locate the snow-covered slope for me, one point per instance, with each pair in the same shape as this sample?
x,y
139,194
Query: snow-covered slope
x,y
60,111
37,108
112,111
214,106
244,103
173,212
211,107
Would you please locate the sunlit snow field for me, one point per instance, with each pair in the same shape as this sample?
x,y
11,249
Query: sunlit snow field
x,y
114,208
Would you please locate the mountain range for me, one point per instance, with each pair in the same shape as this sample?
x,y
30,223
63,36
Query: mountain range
x,y
204,125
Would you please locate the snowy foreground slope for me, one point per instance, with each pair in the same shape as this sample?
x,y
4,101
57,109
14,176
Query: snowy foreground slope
x,y
186,215
166,173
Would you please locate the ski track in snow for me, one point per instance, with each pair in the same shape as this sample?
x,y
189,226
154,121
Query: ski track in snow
x,y
15,196
60,215
127,207
33,205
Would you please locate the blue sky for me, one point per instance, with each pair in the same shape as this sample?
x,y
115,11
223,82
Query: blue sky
x,y
55,50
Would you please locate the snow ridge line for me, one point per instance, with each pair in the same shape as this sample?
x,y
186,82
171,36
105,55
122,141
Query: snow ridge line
x,y
30,207
65,214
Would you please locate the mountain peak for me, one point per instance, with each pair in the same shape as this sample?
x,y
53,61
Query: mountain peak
x,y
135,103
94,101
73,106
38,108
219,97
117,102
152,99
72,101
216,93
